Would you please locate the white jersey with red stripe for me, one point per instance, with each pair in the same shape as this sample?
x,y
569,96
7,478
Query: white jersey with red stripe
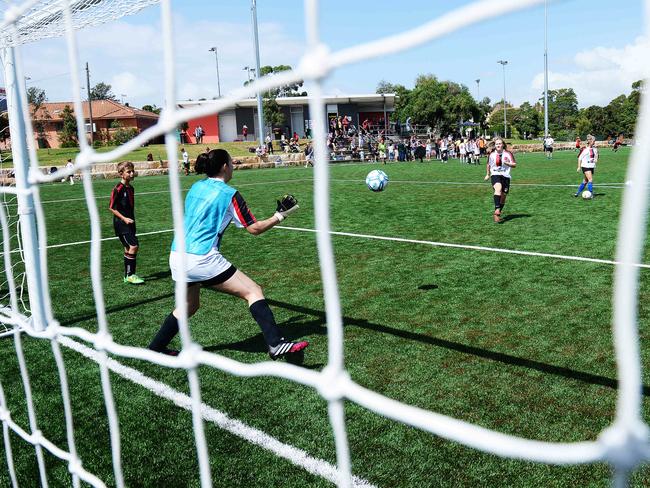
x,y
496,163
588,157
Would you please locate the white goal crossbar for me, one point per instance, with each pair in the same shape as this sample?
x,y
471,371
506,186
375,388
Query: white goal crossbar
x,y
624,444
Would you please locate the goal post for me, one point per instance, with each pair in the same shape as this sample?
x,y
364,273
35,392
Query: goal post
x,y
20,127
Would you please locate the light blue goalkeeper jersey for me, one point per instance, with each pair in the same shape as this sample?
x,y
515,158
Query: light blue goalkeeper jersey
x,y
206,206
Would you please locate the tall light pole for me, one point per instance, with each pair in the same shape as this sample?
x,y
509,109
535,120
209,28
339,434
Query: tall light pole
x,y
260,113
90,107
478,89
216,58
545,68
505,120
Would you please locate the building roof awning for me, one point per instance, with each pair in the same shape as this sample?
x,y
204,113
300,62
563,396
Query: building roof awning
x,y
373,98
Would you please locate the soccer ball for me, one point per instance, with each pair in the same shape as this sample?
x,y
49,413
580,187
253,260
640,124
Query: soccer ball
x,y
377,180
586,195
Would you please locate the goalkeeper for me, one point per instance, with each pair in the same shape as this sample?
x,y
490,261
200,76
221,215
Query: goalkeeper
x,y
210,206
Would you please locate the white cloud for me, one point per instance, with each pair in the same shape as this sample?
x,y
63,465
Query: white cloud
x,y
602,73
128,54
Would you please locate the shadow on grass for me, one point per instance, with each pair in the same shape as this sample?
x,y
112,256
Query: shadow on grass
x,y
318,326
514,216
117,308
299,326
157,276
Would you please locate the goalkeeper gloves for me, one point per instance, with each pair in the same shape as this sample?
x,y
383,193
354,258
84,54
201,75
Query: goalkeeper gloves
x,y
286,206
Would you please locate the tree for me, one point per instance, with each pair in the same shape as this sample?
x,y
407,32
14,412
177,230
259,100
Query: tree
x,y
68,134
438,104
272,113
36,98
526,120
102,91
4,126
385,87
122,134
562,113
152,108
290,90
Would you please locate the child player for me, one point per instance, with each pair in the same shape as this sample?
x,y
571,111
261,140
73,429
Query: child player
x,y
498,171
123,208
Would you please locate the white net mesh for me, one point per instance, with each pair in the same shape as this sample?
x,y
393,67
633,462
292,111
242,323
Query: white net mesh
x,y
623,445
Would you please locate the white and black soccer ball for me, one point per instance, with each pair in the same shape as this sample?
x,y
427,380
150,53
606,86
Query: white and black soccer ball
x,y
587,195
377,180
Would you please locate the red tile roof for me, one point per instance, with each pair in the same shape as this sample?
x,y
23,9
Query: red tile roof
x,y
102,109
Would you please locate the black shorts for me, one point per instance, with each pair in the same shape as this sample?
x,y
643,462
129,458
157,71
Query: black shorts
x,y
548,149
505,182
186,165
128,239
593,170
217,280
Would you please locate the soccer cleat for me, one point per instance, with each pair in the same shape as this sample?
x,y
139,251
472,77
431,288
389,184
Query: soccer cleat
x,y
133,279
497,216
576,194
170,352
286,347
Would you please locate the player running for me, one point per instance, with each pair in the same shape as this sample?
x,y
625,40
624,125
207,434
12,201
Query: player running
x,y
210,206
587,160
498,171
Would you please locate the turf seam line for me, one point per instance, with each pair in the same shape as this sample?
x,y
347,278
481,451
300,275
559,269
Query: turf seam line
x,y
257,437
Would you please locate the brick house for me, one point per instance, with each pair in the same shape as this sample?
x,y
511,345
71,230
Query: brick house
x,y
105,112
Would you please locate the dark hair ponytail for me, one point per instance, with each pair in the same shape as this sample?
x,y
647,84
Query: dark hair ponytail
x,y
211,163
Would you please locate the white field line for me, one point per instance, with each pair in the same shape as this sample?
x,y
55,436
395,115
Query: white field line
x,y
316,466
467,246
400,239
99,197
617,186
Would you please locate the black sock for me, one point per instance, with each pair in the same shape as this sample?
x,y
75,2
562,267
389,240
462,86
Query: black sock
x,y
129,264
497,202
166,333
263,315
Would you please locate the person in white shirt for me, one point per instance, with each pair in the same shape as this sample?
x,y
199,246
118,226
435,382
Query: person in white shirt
x,y
462,149
587,160
69,165
186,161
498,171
548,146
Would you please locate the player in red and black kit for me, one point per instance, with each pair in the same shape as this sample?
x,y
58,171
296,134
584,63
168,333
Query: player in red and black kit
x,y
123,208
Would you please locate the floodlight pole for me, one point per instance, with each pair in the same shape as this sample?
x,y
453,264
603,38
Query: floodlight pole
x,y
90,107
478,89
505,120
216,59
260,113
545,68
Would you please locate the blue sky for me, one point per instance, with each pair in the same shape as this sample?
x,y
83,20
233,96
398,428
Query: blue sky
x,y
593,47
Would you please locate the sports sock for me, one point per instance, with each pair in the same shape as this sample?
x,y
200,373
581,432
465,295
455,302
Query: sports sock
x,y
581,187
129,264
166,333
590,187
263,315
497,202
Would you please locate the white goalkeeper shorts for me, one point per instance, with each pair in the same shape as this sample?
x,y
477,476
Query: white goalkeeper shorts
x,y
199,267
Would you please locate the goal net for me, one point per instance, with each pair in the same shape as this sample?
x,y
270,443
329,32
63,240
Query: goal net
x,y
623,445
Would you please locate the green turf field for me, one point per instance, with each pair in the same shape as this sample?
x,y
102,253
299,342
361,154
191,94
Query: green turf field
x,y
520,344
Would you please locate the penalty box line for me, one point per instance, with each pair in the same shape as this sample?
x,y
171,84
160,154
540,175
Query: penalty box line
x,y
403,240
294,455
